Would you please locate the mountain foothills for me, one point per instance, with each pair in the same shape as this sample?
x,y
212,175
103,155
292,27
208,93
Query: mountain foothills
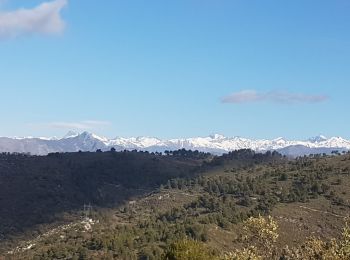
x,y
215,144
178,205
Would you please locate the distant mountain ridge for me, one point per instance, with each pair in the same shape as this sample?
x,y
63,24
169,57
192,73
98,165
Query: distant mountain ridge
x,y
217,144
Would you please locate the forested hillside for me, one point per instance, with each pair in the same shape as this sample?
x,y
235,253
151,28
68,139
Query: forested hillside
x,y
37,189
152,206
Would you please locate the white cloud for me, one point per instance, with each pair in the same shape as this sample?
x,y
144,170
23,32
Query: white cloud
x,y
249,96
84,125
80,125
43,19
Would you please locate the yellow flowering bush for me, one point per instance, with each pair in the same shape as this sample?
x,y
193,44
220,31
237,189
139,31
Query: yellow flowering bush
x,y
264,230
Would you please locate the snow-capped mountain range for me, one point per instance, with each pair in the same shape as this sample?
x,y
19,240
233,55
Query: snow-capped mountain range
x,y
217,144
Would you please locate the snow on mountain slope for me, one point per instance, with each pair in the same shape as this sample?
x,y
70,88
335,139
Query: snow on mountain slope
x,y
70,134
216,143
134,142
317,139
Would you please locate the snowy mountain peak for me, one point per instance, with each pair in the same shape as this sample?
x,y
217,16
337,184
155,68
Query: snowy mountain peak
x,y
317,139
278,139
217,136
70,134
86,133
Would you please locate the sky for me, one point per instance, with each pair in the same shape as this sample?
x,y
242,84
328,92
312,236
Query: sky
x,y
184,68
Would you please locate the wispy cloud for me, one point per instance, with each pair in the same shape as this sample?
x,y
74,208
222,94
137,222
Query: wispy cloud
x,y
80,125
249,96
43,19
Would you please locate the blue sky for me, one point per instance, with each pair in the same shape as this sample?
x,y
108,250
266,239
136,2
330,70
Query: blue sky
x,y
258,69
